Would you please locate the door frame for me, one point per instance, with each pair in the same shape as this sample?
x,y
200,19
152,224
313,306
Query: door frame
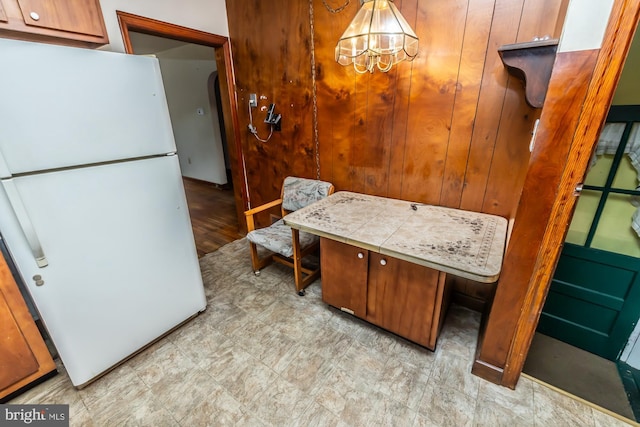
x,y
620,31
224,62
569,127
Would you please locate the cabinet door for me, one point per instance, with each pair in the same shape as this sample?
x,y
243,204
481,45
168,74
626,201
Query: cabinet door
x,y
344,276
70,22
24,357
15,353
3,14
76,16
403,298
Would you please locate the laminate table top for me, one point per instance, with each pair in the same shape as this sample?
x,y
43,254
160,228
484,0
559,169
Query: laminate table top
x,y
464,243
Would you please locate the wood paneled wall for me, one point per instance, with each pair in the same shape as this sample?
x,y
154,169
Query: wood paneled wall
x,y
271,46
450,128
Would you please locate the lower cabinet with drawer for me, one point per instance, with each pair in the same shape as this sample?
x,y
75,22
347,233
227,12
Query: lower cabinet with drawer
x,y
407,299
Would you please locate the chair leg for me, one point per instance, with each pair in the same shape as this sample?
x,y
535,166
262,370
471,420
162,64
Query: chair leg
x,y
297,263
258,263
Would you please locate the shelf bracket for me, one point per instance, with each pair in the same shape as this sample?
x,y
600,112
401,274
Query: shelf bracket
x,y
531,62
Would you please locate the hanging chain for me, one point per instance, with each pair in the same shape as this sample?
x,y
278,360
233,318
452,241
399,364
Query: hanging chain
x,y
338,10
313,85
313,76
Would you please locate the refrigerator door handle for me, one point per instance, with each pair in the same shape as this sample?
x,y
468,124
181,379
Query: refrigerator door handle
x,y
25,222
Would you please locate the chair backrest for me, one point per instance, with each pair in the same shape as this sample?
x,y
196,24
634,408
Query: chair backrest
x,y
300,192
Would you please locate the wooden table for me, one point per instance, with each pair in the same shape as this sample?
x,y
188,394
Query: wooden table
x,y
386,260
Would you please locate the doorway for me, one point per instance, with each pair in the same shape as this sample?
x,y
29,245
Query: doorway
x,y
594,299
191,63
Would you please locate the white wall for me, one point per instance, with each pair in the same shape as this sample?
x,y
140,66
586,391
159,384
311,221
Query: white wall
x,y
198,138
585,25
204,15
628,91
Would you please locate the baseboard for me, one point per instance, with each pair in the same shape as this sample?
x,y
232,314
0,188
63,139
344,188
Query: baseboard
x,y
481,368
226,186
487,371
29,386
472,303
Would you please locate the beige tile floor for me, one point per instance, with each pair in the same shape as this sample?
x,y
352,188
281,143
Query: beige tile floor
x,y
262,356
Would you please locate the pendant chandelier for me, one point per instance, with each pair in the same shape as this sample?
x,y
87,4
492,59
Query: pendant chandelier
x,y
378,36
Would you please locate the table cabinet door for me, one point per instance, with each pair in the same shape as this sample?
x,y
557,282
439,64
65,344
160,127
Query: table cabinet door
x,y
344,276
404,298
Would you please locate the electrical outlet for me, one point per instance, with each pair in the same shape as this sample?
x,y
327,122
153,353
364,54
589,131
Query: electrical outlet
x,y
253,100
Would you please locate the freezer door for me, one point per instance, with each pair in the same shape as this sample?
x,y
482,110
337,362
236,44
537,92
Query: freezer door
x,y
123,268
64,106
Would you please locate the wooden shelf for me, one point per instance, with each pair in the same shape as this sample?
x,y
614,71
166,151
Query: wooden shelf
x,y
531,62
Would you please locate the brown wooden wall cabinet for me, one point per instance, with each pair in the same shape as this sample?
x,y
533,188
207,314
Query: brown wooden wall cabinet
x,y
24,356
402,297
69,22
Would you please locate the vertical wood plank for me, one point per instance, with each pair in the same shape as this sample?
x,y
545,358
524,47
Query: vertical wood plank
x,y
276,67
511,153
335,92
380,100
359,146
537,24
246,61
476,38
401,102
433,86
294,100
492,94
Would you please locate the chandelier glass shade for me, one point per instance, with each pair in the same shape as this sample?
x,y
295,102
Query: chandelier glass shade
x,y
378,36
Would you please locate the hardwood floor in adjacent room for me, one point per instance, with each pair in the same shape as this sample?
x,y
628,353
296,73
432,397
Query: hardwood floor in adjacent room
x,y
213,215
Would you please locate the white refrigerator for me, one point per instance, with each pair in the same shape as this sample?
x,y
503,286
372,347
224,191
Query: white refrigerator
x,y
92,207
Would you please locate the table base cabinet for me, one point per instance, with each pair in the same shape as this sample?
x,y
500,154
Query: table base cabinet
x,y
405,298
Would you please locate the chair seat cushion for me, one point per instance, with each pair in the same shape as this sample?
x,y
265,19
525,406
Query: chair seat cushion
x,y
277,238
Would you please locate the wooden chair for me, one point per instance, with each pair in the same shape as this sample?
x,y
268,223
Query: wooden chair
x,y
284,244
